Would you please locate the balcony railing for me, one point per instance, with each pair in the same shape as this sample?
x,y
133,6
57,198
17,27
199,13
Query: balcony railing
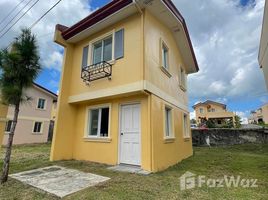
x,y
96,71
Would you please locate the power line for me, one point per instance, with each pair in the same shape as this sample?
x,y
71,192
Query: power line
x,y
15,16
39,19
11,11
19,18
36,22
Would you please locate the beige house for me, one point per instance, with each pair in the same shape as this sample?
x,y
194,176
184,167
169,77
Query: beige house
x,y
263,52
259,116
34,118
212,110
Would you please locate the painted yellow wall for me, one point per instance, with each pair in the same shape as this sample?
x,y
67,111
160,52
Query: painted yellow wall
x,y
3,115
106,151
168,152
126,70
154,31
140,63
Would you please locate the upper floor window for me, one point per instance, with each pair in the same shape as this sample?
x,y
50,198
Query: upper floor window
x,y
105,48
98,124
213,110
41,104
182,79
164,56
201,110
102,50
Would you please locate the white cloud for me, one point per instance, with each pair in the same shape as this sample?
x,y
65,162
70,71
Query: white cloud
x,y
226,40
243,116
192,115
66,13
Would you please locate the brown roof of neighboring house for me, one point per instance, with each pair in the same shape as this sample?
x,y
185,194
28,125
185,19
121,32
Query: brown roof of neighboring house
x,y
207,102
111,8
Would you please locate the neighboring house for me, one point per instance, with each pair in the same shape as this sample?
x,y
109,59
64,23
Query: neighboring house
x,y
263,52
212,110
259,116
123,96
34,117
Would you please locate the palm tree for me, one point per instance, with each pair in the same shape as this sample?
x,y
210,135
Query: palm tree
x,y
19,67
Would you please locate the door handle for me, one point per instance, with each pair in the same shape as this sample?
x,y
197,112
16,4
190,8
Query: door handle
x,y
122,133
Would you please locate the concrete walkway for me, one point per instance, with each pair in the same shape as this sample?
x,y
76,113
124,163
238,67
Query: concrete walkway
x,y
58,180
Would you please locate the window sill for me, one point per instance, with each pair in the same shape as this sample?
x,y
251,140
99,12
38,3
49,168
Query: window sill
x,y
37,133
187,139
169,140
40,109
97,139
165,71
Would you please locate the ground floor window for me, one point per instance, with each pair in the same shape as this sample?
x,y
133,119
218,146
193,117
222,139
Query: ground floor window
x,y
99,122
8,126
186,127
37,127
168,122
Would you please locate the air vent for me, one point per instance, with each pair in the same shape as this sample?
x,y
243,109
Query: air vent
x,y
148,2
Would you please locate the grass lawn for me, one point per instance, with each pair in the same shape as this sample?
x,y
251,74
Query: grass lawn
x,y
248,161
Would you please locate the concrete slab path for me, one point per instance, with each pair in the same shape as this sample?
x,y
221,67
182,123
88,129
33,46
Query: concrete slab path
x,y
59,181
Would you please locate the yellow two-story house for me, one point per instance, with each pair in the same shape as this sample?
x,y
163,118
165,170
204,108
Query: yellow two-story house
x,y
214,111
3,114
123,93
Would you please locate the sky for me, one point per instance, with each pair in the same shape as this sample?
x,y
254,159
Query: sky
x,y
225,35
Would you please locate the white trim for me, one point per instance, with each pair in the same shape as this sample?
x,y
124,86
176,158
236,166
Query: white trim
x,y
41,129
138,86
30,118
119,129
171,123
187,128
100,38
87,125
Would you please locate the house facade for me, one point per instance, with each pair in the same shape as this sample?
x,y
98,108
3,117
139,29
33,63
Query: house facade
x,y
259,116
3,114
34,117
263,51
123,93
214,111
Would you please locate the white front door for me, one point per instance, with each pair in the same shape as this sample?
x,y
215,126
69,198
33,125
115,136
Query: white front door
x,y
130,147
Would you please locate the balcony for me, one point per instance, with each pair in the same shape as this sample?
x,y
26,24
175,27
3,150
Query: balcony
x,y
96,71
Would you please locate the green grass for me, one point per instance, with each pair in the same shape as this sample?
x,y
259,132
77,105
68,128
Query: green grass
x,y
248,161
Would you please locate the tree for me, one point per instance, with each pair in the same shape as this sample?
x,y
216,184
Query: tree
x,y
237,121
193,121
19,67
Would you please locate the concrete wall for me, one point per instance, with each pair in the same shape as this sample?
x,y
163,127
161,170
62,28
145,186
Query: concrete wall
x,y
229,136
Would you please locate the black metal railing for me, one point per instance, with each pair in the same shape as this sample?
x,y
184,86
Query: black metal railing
x,y
96,71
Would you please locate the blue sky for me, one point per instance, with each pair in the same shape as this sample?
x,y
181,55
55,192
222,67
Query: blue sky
x,y
225,35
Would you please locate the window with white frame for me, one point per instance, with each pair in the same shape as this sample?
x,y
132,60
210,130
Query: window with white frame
x,y
41,104
165,56
168,122
201,110
182,78
8,126
98,122
102,50
186,130
37,127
